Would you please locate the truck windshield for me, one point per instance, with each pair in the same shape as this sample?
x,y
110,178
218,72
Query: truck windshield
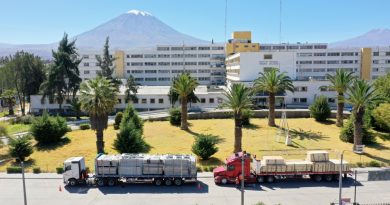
x,y
67,167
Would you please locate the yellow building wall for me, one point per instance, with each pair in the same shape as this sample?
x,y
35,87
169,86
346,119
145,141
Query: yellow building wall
x,y
120,64
365,63
242,35
232,48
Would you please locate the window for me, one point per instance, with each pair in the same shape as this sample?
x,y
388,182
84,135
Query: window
x,y
211,100
68,167
387,53
331,69
161,101
319,70
86,72
375,62
139,79
347,54
334,54
203,71
150,79
164,56
203,78
190,48
150,71
177,63
292,47
152,101
267,56
204,48
97,64
163,48
347,62
375,54
127,71
333,62
300,89
265,47
320,46
203,55
163,71
305,62
190,63
203,63
164,63
303,100
127,56
306,47
319,62
331,100
86,64
164,79
305,54
150,63
136,56
203,100
119,101
319,54
299,100
85,56
217,48
137,71
135,101
137,64
149,55
143,101
278,47
176,48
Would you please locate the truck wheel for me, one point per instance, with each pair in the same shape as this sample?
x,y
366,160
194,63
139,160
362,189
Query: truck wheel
x,y
158,182
224,181
270,179
260,179
178,182
100,182
111,182
318,177
168,182
328,177
72,182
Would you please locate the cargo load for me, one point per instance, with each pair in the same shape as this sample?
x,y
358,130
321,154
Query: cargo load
x,y
317,156
337,165
298,166
273,160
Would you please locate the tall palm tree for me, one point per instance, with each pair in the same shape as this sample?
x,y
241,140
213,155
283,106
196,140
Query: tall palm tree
x,y
273,82
184,85
361,95
237,99
340,82
98,98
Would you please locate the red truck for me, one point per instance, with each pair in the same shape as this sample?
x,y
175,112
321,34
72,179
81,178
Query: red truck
x,y
317,166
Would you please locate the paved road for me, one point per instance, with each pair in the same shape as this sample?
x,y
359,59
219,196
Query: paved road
x,y
299,192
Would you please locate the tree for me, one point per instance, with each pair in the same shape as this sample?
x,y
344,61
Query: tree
x,y
131,89
205,146
273,82
20,147
340,82
238,99
63,77
106,64
382,86
9,97
320,109
47,129
184,85
76,107
98,98
360,96
130,116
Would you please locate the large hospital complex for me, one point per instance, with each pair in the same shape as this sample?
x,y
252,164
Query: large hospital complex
x,y
217,66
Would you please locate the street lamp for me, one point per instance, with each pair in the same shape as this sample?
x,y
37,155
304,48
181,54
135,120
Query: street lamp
x,y
340,176
24,184
243,176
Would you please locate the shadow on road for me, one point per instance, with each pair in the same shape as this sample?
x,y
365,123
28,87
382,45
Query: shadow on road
x,y
194,188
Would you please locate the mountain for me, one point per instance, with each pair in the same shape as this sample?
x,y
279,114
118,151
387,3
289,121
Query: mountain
x,y
373,38
132,29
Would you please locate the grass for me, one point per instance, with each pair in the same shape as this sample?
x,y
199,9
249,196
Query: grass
x,y
258,139
3,113
16,128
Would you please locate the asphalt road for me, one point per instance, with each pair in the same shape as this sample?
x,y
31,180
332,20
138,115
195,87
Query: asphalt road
x,y
44,189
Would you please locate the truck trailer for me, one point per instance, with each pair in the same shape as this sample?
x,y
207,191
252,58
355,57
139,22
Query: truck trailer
x,y
132,168
317,166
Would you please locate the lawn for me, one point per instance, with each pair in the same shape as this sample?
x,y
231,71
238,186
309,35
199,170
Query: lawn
x,y
15,128
258,139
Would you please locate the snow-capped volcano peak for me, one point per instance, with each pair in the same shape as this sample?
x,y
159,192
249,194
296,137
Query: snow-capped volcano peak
x,y
137,12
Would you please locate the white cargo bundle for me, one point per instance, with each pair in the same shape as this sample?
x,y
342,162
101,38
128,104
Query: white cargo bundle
x,y
108,160
273,160
298,166
337,165
317,156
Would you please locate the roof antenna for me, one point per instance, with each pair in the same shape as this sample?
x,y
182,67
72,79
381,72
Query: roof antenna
x,y
226,6
280,21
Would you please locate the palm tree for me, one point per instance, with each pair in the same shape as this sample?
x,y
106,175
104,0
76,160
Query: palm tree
x,y
361,95
98,98
237,99
273,82
340,82
184,85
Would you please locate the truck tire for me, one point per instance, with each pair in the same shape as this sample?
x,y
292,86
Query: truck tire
x,y
318,177
328,177
72,182
111,182
158,182
178,182
260,179
168,182
270,179
224,181
100,182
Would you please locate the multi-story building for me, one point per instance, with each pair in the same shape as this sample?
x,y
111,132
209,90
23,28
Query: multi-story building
x,y
158,66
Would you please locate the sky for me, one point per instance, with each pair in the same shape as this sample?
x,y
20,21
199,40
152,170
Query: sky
x,y
325,21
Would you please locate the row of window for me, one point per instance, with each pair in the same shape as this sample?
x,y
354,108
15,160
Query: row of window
x,y
378,61
201,63
166,71
176,55
305,70
304,100
329,62
191,48
167,79
292,47
161,101
376,53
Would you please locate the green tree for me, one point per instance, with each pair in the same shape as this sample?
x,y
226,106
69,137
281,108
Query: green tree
x,y
20,148
184,85
106,64
76,107
273,82
340,82
238,99
320,109
130,116
205,146
63,77
131,89
47,129
98,98
382,86
9,97
360,95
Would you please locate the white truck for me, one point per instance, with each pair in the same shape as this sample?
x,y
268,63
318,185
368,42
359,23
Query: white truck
x,y
132,168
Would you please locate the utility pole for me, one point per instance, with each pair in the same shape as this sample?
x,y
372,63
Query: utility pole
x,y
341,177
24,184
354,196
243,177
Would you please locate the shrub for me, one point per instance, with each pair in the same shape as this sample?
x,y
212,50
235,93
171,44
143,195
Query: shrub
x,y
359,164
205,146
20,147
246,115
36,170
320,110
175,116
85,126
11,170
199,169
346,134
47,129
130,115
60,170
27,119
373,163
130,140
118,119
381,116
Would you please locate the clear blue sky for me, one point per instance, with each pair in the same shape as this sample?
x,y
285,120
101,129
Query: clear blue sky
x,y
44,21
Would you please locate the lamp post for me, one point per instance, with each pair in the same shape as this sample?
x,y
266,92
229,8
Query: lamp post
x,y
243,177
341,177
24,184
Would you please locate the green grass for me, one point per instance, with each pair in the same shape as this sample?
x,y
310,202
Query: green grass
x,y
16,128
3,113
258,139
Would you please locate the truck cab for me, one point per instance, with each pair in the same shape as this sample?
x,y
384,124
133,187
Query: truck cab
x,y
74,170
233,169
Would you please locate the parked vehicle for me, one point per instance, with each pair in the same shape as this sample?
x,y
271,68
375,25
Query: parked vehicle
x,y
317,166
132,168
